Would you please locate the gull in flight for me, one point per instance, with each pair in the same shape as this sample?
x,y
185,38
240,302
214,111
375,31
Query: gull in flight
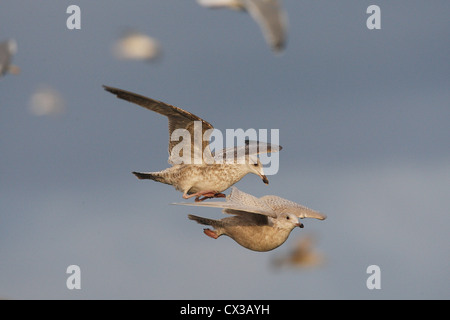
x,y
267,13
198,172
258,224
7,50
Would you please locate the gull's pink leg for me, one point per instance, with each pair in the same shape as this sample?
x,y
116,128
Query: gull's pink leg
x,y
210,233
209,196
220,195
206,195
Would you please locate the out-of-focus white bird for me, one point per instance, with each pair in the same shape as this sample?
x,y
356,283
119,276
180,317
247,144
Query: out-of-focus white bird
x,y
46,101
302,255
267,13
258,224
134,45
7,50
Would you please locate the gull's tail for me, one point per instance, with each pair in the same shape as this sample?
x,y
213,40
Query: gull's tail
x,y
150,175
205,221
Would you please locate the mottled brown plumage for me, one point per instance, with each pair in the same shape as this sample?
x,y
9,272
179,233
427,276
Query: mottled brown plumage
x,y
201,173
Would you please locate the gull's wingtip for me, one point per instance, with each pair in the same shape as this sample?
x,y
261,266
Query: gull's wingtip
x,y
267,147
109,89
278,47
309,213
318,215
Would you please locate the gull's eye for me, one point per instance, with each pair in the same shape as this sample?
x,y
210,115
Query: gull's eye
x,y
287,217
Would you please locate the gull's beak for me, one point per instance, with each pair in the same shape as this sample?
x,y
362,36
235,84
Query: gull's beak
x,y
264,179
300,225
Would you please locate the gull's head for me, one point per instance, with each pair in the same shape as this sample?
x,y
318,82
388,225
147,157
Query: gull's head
x,y
289,221
255,166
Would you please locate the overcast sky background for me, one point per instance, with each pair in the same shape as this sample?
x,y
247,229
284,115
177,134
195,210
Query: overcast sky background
x,y
364,121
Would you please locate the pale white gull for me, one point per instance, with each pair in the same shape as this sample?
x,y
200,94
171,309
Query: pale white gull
x,y
258,224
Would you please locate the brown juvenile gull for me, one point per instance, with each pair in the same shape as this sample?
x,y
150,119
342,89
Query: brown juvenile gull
x,y
267,13
201,173
7,50
258,224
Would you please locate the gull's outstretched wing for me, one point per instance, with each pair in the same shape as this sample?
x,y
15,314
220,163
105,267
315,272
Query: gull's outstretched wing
x,y
268,14
237,201
240,153
232,4
281,205
272,20
230,208
178,119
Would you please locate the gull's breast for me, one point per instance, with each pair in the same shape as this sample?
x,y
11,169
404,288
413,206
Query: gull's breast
x,y
258,238
211,177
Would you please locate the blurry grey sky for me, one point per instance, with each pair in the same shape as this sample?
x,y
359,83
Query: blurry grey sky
x,y
363,118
